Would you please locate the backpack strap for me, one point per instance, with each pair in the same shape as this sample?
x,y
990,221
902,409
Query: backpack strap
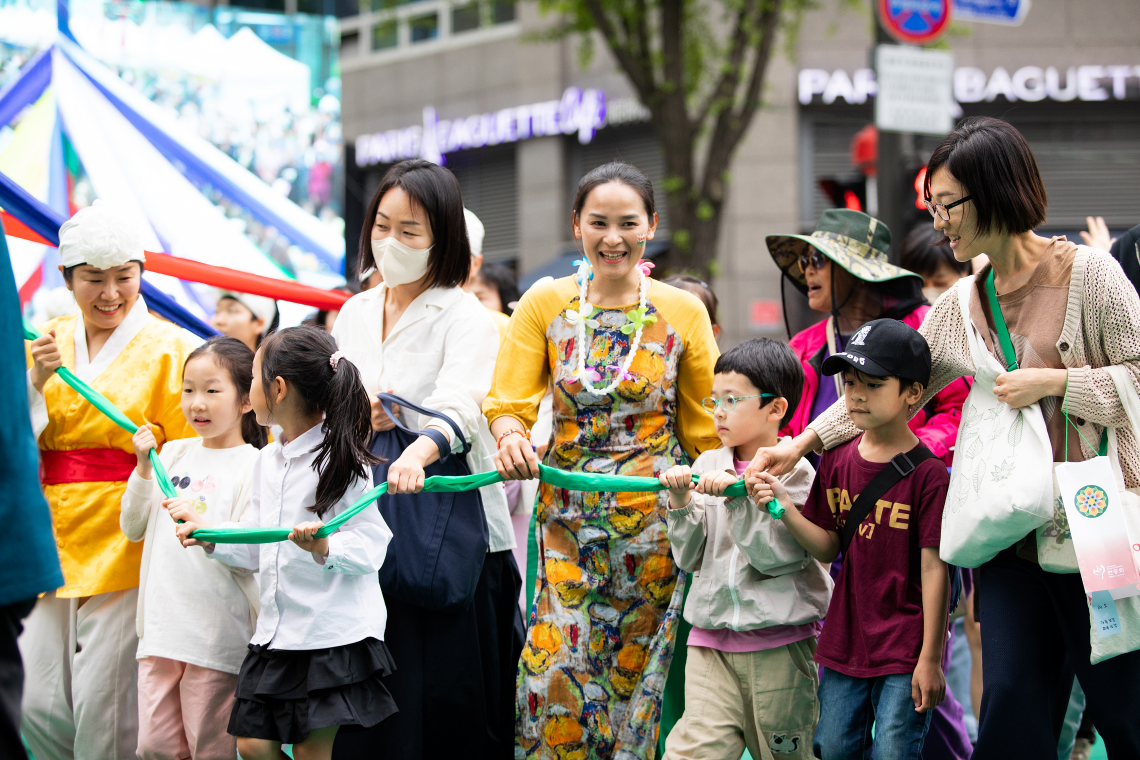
x,y
894,471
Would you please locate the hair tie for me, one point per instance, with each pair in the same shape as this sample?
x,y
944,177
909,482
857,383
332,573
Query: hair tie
x,y
335,359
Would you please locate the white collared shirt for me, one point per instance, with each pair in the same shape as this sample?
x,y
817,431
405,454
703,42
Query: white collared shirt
x,y
441,355
306,605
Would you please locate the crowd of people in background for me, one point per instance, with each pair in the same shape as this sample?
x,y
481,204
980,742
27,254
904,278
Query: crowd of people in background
x,y
297,153
760,601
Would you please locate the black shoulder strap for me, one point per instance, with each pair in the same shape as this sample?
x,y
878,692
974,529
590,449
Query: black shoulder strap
x,y
894,471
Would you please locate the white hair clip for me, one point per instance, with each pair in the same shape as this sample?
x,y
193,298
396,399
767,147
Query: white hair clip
x,y
335,359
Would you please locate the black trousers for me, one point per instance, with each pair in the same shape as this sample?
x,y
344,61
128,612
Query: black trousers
x,y
12,678
454,683
1035,636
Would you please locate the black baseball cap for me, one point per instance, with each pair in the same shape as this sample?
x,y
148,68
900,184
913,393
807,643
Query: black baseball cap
x,y
884,348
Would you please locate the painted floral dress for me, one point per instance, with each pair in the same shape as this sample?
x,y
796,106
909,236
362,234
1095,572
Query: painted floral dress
x,y
601,631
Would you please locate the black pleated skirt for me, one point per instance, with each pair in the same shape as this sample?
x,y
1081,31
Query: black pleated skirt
x,y
456,683
283,694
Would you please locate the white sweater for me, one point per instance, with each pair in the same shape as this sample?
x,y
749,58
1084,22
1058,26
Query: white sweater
x,y
191,609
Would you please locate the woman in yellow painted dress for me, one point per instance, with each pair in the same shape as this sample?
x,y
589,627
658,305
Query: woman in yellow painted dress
x,y
629,360
79,643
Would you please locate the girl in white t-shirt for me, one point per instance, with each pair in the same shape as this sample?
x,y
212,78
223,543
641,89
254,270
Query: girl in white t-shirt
x,y
195,617
317,659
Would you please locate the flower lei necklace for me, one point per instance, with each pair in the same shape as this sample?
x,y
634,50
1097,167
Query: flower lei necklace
x,y
581,317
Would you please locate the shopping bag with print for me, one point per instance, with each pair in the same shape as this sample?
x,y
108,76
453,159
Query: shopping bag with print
x,y
1094,509
1115,620
1055,551
1001,484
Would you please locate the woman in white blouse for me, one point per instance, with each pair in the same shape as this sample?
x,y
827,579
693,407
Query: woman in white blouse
x,y
420,336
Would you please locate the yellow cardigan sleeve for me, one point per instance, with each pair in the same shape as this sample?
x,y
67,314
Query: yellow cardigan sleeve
x,y
522,370
688,316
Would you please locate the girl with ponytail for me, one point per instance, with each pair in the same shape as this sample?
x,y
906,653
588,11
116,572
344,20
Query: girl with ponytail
x,y
317,658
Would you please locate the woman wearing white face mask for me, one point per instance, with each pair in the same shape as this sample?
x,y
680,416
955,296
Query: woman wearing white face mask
x,y
421,337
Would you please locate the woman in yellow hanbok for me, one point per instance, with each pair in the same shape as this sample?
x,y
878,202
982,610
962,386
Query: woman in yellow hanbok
x,y
78,645
629,360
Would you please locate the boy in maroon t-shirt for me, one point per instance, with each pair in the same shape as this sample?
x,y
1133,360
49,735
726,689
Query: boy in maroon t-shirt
x,y
884,632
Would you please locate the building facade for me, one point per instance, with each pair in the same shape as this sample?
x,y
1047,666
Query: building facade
x,y
520,119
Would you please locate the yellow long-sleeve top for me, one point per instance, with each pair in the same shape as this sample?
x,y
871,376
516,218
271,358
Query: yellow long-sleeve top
x,y
671,372
144,380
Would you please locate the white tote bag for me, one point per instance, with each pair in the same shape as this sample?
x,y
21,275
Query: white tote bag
x,y
1001,484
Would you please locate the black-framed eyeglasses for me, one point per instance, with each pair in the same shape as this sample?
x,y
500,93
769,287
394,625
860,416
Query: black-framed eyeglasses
x,y
813,258
942,210
728,401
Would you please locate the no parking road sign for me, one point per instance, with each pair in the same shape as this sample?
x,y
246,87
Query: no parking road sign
x,y
915,22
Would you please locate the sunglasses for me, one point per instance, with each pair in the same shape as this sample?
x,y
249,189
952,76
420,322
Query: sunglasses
x,y
728,401
814,259
942,210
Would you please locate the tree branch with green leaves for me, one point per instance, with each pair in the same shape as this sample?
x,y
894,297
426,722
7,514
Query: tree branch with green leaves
x,y
699,66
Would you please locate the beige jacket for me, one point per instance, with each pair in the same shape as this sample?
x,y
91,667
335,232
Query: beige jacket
x,y
748,571
1101,329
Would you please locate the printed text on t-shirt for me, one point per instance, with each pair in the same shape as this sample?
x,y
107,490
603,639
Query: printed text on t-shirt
x,y
897,515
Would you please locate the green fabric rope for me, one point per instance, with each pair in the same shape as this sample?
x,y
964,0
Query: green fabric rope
x,y
100,402
571,481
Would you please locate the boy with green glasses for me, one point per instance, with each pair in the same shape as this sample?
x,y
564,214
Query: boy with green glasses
x,y
757,596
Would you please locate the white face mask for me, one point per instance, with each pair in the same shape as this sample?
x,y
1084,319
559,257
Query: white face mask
x,y
932,293
398,263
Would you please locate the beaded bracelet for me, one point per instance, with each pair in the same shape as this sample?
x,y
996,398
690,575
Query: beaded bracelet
x,y
499,441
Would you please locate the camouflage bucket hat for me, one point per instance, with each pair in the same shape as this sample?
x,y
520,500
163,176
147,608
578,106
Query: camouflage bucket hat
x,y
853,240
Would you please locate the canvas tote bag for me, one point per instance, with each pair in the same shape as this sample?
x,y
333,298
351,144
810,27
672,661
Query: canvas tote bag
x,y
1001,484
1055,552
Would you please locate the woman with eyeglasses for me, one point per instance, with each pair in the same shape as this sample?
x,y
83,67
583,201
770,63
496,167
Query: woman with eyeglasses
x,y
842,268
629,360
1073,320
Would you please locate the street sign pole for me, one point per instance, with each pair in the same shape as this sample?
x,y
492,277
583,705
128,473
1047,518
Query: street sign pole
x,y
910,23
888,182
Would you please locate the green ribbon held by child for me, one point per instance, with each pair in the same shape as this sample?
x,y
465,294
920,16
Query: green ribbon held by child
x,y
571,481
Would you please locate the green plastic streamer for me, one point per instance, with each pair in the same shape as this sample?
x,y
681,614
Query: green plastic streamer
x,y
571,481
100,402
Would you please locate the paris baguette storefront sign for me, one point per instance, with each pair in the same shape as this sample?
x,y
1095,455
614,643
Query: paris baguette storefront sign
x,y
581,112
971,85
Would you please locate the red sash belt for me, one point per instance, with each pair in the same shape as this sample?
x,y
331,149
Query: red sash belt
x,y
85,466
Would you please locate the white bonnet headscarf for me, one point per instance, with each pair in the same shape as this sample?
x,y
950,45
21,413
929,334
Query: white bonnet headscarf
x,y
261,307
100,235
475,232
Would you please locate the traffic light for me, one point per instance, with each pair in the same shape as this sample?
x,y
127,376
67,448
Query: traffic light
x,y
851,194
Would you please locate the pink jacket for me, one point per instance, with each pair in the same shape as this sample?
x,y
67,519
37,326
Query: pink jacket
x,y
936,424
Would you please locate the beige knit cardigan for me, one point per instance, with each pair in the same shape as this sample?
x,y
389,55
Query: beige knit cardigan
x,y
1102,328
